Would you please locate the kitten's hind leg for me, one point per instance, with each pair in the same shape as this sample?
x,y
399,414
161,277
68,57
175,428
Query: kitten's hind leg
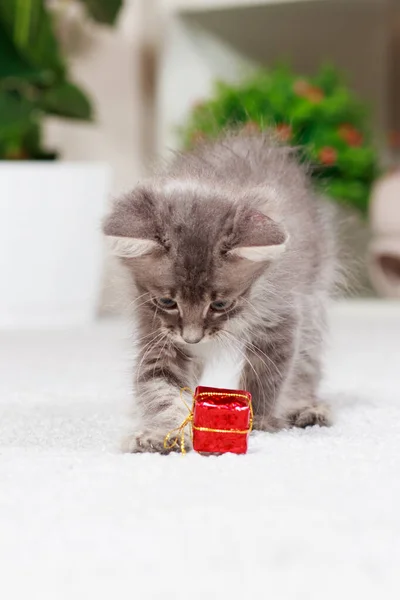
x,y
306,414
300,406
269,357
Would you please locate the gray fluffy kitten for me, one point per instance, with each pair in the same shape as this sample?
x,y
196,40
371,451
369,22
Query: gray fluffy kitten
x,y
228,246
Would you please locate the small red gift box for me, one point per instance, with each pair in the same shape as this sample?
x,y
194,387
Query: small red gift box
x,y
222,420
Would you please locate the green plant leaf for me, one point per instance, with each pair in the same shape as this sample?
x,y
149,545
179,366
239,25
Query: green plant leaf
x,y
32,144
28,25
103,11
16,114
20,129
316,109
17,117
12,65
66,100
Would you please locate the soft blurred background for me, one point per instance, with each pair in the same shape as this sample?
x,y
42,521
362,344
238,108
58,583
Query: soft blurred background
x,y
92,92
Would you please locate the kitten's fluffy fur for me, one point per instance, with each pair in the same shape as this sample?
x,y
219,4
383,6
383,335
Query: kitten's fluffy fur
x,y
234,221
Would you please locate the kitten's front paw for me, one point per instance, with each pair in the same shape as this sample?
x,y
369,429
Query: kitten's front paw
x,y
151,441
309,415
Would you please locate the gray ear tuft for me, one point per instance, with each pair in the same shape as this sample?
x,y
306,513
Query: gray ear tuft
x,y
259,238
125,247
259,253
131,227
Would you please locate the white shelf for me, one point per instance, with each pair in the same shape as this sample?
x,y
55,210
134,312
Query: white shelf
x,y
189,6
210,5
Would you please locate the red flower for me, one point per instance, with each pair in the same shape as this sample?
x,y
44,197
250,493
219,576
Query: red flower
x,y
301,87
197,137
306,90
351,135
284,132
328,155
315,94
251,127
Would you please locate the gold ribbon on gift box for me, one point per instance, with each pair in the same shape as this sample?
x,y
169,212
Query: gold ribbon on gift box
x,y
176,437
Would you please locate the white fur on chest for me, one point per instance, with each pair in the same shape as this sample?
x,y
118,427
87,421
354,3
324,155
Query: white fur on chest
x,y
222,365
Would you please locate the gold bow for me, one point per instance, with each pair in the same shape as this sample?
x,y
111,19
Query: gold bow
x,y
179,438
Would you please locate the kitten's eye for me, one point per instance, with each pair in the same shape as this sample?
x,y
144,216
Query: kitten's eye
x,y
220,305
167,303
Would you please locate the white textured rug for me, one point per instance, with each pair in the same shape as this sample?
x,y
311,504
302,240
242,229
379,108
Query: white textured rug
x,y
306,514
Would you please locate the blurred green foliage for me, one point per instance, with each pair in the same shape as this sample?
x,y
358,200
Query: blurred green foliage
x,y
34,79
319,115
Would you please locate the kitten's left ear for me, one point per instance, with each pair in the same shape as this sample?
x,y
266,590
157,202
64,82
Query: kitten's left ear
x,y
259,238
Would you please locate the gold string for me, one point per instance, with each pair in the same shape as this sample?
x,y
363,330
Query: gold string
x,y
179,438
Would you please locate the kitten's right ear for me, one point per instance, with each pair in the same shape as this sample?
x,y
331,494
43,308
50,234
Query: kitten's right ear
x,y
131,227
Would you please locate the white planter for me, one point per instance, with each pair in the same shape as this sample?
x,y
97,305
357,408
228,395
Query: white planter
x,y
51,251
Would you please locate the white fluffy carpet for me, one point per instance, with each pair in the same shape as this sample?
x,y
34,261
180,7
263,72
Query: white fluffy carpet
x,y
306,514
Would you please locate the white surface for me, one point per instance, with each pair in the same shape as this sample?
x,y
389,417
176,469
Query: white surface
x,y
306,514
51,251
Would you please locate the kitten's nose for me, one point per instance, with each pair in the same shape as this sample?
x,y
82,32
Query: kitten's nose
x,y
192,335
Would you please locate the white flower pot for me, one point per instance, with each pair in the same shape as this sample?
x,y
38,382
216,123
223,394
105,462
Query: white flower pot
x,y
51,251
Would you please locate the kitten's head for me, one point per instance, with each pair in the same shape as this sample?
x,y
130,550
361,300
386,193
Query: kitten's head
x,y
193,254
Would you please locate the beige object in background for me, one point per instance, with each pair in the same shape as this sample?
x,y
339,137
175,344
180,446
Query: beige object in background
x,y
384,250
112,64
